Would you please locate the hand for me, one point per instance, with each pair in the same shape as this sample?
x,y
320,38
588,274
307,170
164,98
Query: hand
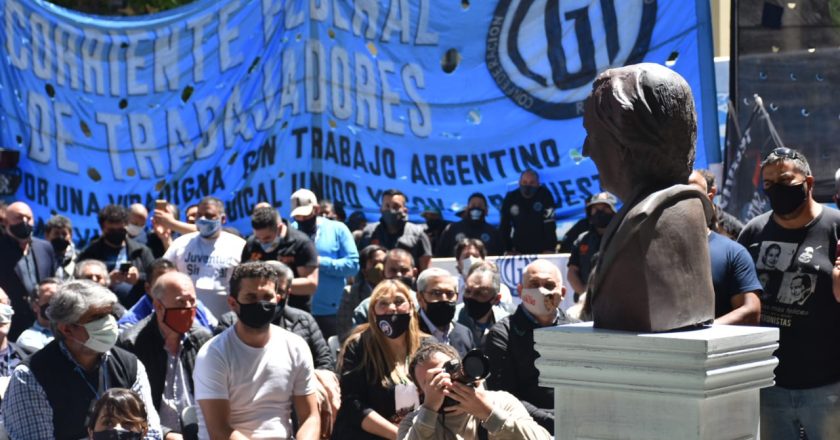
x,y
163,218
329,400
117,277
163,233
471,400
438,381
132,276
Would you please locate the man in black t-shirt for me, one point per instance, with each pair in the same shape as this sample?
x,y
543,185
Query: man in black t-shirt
x,y
794,248
395,231
527,224
274,240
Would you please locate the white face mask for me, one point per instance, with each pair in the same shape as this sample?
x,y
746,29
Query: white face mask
x,y
133,230
534,300
102,334
6,312
467,264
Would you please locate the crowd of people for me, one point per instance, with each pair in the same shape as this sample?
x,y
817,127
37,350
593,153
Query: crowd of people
x,y
317,326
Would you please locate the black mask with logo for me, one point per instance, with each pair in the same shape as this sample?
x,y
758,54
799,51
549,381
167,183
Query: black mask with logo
x,y
393,325
785,199
257,315
440,313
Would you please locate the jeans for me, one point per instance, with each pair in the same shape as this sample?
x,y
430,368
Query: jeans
x,y
816,410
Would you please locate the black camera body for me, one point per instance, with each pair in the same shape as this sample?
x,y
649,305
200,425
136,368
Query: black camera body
x,y
474,367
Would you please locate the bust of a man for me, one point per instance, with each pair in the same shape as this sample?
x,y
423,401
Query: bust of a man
x,y
653,273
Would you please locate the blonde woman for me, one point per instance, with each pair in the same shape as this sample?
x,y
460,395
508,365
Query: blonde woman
x,y
376,389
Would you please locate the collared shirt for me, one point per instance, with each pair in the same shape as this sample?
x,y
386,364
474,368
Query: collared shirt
x,y
440,335
35,338
27,405
9,359
176,393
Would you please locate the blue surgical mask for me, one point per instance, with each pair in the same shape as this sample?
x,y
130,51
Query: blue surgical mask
x,y
268,247
207,228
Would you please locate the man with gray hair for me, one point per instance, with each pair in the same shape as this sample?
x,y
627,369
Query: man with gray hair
x,y
51,393
437,294
482,306
167,342
92,270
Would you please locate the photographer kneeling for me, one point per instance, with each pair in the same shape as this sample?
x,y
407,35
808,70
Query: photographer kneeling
x,y
469,409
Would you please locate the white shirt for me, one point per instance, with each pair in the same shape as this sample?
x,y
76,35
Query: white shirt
x,y
210,264
259,383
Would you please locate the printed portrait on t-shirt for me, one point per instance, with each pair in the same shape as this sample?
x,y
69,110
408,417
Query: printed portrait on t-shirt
x,y
796,288
775,255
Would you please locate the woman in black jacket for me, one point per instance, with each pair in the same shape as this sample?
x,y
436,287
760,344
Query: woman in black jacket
x,y
376,392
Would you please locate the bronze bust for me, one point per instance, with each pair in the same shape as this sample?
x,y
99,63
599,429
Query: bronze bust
x,y
653,272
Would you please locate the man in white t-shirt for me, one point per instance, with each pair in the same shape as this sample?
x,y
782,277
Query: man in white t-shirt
x,y
248,377
209,255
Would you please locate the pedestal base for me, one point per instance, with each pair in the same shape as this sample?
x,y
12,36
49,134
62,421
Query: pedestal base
x,y
699,384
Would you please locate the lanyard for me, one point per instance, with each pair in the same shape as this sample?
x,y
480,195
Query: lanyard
x,y
103,379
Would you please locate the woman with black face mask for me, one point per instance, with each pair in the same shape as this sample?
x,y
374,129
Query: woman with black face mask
x,y
376,392
118,414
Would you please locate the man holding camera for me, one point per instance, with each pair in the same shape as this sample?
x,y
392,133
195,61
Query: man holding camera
x,y
470,410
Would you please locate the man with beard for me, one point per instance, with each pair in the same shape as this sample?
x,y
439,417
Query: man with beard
x,y
248,378
25,261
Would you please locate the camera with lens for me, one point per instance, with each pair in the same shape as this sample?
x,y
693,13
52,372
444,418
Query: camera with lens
x,y
474,367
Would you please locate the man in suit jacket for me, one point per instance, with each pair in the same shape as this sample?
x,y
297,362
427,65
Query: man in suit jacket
x,y
437,294
24,262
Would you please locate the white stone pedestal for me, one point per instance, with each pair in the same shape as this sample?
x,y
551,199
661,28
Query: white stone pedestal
x,y
690,385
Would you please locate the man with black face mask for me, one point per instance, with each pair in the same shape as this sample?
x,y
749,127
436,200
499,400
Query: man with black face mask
x,y
600,209
248,378
482,306
395,231
59,232
473,226
527,225
338,257
25,261
116,250
804,235
437,293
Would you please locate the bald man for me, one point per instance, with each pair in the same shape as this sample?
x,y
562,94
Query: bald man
x,y
167,342
138,215
510,343
24,262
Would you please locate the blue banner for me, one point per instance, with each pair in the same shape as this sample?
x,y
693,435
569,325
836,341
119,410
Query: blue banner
x,y
250,100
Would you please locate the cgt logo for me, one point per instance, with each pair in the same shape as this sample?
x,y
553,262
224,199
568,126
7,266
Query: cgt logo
x,y
544,54
510,269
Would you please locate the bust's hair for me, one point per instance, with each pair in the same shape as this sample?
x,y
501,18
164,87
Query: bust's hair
x,y
648,110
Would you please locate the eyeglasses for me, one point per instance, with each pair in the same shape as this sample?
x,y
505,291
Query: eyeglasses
x,y
442,294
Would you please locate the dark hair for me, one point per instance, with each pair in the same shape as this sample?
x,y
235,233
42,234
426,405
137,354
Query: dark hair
x,y
113,214
771,246
530,171
368,252
121,404
400,253
264,217
806,280
58,222
252,270
480,196
33,297
800,163
159,264
356,220
394,192
709,176
214,201
425,352
467,242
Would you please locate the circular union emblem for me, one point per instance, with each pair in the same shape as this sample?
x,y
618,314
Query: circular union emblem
x,y
386,328
544,54
538,206
514,210
485,238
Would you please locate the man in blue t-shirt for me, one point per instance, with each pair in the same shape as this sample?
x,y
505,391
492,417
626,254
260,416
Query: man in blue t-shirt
x,y
338,257
734,277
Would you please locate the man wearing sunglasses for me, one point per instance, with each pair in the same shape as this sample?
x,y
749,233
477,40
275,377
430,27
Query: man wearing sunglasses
x,y
808,375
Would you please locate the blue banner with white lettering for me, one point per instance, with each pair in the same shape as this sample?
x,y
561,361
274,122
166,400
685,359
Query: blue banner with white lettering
x,y
250,100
